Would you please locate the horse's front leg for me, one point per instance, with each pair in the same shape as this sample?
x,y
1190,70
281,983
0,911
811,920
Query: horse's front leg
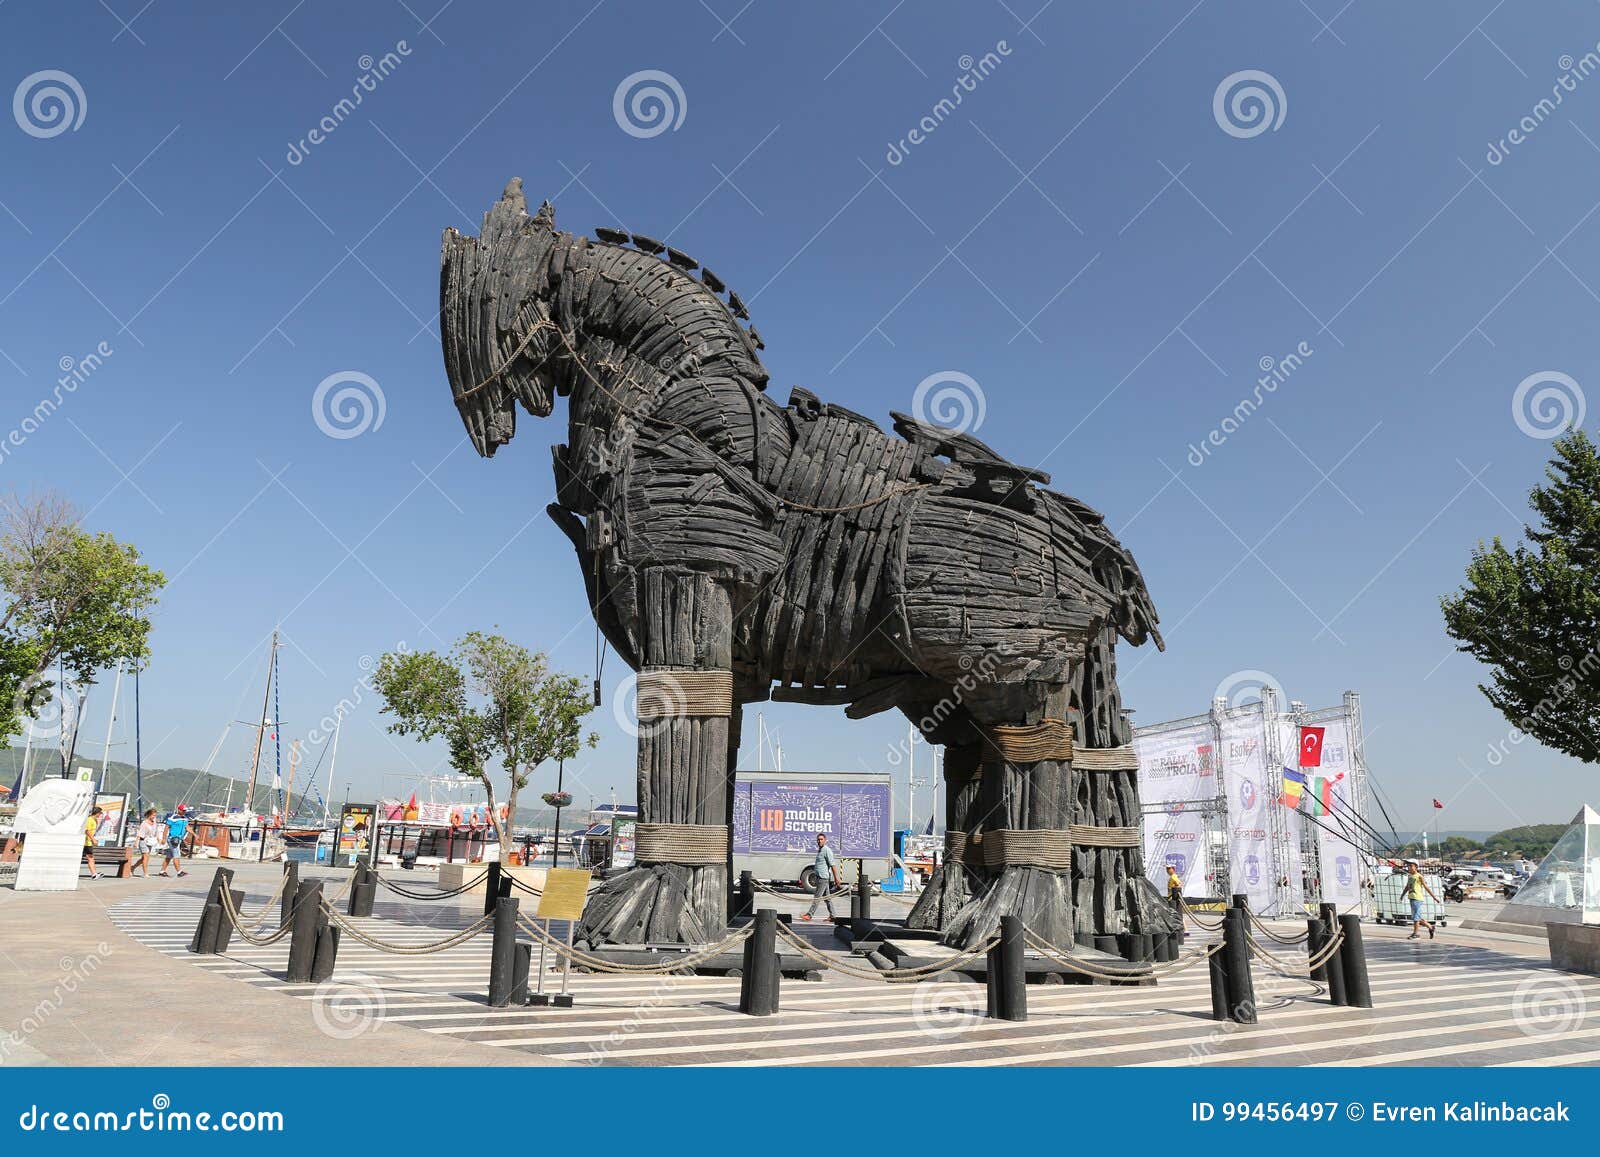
x,y
678,893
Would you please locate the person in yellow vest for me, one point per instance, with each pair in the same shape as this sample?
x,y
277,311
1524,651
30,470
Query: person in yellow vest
x,y
1175,890
1416,889
89,826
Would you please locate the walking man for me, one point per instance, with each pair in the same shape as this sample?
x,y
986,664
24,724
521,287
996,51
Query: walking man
x,y
177,828
826,870
1416,889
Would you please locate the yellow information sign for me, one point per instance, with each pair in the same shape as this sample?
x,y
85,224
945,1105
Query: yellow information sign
x,y
565,890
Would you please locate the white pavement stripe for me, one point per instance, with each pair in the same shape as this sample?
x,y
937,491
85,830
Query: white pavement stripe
x,y
1521,1040
1304,1047
1334,1020
771,1030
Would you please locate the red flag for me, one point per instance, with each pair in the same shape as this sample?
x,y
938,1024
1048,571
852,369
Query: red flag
x,y
1311,746
1437,804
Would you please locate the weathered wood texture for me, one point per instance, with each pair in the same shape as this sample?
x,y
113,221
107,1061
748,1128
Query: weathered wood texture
x,y
802,547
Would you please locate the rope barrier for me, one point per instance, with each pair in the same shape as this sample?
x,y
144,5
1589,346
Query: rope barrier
x,y
599,964
1292,968
1273,936
260,917
889,976
466,934
844,890
520,886
247,933
444,895
1195,916
1078,964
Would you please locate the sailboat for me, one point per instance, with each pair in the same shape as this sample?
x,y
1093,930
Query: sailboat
x,y
241,835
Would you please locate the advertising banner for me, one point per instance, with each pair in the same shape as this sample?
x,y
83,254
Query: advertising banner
x,y
1177,770
786,817
355,833
623,841
1251,791
114,822
1339,840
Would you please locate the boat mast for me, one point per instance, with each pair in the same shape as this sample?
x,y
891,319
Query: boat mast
x,y
261,731
333,759
111,721
138,746
294,764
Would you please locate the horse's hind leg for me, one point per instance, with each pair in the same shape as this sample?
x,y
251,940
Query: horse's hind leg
x,y
1017,795
949,889
678,893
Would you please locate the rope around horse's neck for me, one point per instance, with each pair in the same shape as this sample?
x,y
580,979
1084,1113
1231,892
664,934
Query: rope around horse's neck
x,y
669,424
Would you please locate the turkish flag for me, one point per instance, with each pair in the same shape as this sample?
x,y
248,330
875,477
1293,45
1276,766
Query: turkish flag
x,y
1437,804
1311,746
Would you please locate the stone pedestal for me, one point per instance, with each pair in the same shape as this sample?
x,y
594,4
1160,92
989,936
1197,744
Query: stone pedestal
x,y
1574,947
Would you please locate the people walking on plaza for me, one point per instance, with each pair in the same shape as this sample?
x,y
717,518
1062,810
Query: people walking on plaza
x,y
89,826
1416,889
177,828
146,841
826,870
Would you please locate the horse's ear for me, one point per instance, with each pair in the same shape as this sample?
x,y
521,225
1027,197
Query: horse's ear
x,y
513,195
546,216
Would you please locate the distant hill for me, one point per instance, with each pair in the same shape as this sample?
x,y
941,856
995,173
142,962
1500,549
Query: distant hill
x,y
166,787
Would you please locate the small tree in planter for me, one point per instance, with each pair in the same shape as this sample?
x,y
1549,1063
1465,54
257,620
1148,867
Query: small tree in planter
x,y
491,701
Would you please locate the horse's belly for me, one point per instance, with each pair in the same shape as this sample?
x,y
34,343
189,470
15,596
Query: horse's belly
x,y
977,580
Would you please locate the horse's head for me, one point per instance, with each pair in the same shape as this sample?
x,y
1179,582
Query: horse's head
x,y
495,320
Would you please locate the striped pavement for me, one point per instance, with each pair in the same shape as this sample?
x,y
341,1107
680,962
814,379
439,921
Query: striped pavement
x,y
1438,1003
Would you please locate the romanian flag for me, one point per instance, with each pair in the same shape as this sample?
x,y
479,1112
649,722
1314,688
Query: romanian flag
x,y
1294,783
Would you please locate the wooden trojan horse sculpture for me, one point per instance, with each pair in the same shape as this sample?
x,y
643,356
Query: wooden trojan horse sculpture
x,y
736,550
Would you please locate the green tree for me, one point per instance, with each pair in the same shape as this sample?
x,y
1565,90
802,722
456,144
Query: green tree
x,y
71,597
1533,614
491,702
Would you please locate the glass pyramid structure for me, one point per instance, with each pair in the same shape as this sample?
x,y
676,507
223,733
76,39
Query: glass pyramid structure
x,y
1568,879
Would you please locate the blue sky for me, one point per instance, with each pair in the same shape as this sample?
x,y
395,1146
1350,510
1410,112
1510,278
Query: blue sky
x,y
1082,237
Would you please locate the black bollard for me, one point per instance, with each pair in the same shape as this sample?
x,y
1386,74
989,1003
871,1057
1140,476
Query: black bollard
x,y
1107,944
327,953
864,890
211,920
1166,948
1241,988
758,984
1334,969
358,877
1217,964
1144,947
363,896
222,879
306,923
1316,941
1353,956
1127,945
291,885
1241,900
747,894
491,891
225,926
503,954
519,974
1010,991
